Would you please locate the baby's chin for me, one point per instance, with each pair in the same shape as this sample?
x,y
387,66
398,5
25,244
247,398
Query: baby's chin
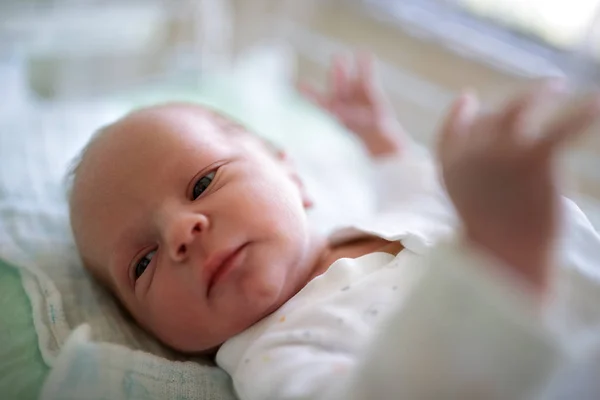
x,y
266,286
261,298
258,302
257,296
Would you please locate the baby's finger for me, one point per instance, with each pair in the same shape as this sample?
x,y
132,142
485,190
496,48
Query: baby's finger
x,y
339,77
312,94
517,110
570,126
457,122
365,71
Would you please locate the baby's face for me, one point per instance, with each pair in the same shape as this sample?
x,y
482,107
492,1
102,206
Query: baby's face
x,y
200,233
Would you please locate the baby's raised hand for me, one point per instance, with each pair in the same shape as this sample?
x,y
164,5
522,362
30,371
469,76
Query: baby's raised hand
x,y
356,101
501,177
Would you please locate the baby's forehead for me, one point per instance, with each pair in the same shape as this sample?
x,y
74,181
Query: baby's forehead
x,y
155,130
170,124
174,114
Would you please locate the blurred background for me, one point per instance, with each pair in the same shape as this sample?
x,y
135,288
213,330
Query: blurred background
x,y
69,65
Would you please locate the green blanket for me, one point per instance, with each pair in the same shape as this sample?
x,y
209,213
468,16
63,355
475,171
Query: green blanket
x,y
22,370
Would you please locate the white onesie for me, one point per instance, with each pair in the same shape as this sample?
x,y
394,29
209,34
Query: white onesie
x,y
438,321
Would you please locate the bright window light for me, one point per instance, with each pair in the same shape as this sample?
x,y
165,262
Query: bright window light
x,y
562,23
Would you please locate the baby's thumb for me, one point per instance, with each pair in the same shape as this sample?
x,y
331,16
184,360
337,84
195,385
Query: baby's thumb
x,y
457,122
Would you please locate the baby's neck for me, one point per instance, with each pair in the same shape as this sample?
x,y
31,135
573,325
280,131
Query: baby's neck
x,y
324,254
353,248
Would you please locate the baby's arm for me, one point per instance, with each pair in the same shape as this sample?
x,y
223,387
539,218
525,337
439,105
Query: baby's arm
x,y
462,333
355,99
472,327
403,172
502,181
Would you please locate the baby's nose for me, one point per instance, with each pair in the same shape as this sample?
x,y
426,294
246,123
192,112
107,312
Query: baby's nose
x,y
182,234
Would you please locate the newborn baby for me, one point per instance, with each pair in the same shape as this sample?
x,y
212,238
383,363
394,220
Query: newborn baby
x,y
200,228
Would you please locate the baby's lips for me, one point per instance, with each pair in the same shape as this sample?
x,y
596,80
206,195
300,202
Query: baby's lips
x,y
220,262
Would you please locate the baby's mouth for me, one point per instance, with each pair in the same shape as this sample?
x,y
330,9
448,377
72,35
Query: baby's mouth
x,y
221,263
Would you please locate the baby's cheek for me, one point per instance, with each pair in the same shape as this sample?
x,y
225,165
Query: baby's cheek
x,y
171,297
180,317
260,286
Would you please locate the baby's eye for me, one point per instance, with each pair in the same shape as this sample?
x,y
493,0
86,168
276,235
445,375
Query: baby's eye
x,y
202,184
143,264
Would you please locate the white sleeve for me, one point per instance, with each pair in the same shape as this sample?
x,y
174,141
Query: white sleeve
x,y
576,312
465,331
578,378
460,333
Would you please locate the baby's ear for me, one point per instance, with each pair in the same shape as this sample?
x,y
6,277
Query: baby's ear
x,y
307,201
282,155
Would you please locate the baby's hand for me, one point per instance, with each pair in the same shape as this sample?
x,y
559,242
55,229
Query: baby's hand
x,y
359,104
501,177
